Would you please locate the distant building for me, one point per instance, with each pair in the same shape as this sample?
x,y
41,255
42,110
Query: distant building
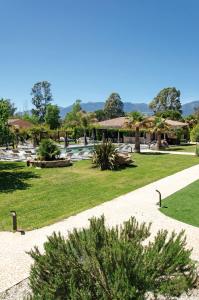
x,y
146,136
19,123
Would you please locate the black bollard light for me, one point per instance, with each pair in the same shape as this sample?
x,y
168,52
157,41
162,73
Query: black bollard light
x,y
14,220
160,198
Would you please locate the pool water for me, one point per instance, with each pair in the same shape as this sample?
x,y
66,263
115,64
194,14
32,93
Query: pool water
x,y
76,149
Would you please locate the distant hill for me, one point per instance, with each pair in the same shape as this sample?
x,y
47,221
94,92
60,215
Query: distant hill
x,y
92,106
187,108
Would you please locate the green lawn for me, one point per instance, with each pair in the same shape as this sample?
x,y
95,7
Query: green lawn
x,y
184,205
44,196
182,148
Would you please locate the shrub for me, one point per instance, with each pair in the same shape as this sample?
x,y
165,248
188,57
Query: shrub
x,y
197,150
48,150
195,134
105,156
111,263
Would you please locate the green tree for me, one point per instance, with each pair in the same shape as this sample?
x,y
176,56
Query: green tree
x,y
159,127
195,134
167,99
4,128
37,133
52,116
100,115
78,118
86,119
135,120
11,107
72,118
113,107
4,110
41,98
170,114
29,117
112,263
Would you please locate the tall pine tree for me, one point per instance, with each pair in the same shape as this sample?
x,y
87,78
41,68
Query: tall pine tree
x,y
113,107
41,98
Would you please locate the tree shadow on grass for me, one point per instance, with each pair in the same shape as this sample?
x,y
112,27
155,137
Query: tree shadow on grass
x,y
120,168
175,149
124,167
10,166
13,177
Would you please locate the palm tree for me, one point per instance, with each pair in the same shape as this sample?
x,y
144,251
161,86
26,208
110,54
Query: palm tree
x,y
135,120
159,127
37,133
86,119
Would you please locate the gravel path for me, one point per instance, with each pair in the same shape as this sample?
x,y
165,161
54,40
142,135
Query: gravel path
x,y
141,203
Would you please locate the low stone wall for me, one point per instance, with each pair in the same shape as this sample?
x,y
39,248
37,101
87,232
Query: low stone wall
x,y
51,164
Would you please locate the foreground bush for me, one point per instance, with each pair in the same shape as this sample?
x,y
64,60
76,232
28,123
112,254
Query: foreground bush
x,y
105,156
48,150
111,264
194,135
197,150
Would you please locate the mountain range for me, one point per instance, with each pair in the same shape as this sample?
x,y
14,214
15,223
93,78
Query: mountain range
x,y
187,108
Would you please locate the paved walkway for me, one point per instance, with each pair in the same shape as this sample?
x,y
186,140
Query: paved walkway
x,y
169,152
141,203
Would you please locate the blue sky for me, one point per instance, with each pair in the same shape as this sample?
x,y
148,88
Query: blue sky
x,y
90,48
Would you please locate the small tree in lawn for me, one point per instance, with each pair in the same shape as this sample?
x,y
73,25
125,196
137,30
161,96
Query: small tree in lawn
x,y
48,150
112,263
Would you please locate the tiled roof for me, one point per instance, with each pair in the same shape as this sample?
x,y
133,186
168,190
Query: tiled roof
x,y
122,121
20,123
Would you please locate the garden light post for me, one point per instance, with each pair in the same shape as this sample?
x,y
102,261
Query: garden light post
x,y
103,136
160,198
14,220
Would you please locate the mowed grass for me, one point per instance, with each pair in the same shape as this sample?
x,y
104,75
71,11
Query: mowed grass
x,y
44,196
184,205
182,148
